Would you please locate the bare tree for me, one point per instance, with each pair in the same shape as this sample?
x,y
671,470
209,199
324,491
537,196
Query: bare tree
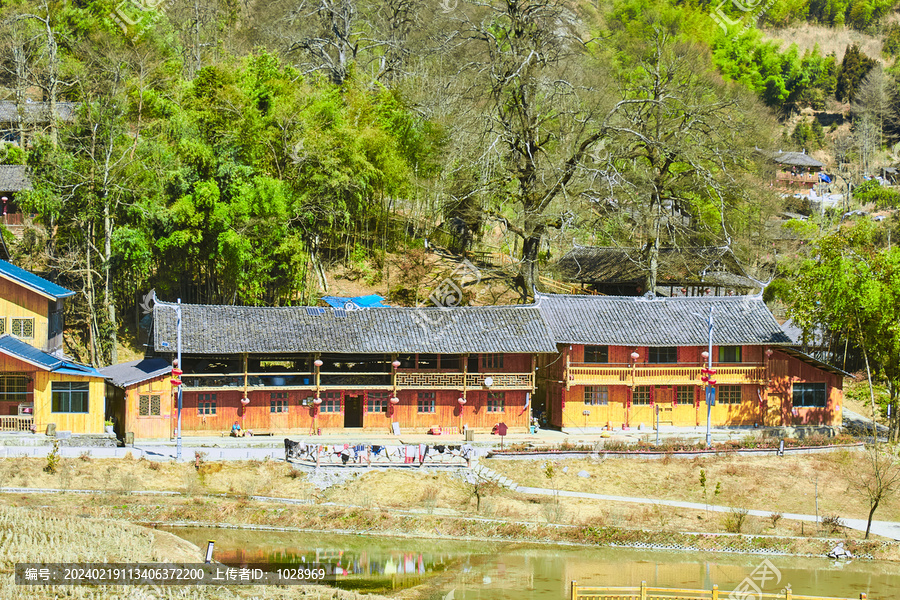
x,y
877,477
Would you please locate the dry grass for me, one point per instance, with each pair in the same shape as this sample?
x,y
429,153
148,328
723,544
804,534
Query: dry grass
x,y
829,39
764,483
123,475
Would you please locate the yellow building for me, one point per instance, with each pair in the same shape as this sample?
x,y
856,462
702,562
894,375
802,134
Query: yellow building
x,y
38,385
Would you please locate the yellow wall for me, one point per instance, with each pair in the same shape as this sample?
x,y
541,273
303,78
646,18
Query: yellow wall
x,y
18,301
150,427
90,422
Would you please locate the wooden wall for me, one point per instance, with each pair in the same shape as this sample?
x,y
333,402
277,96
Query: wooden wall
x,y
41,385
785,370
159,427
18,301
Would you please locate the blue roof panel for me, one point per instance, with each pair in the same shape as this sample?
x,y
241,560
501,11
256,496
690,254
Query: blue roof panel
x,y
33,282
370,301
19,349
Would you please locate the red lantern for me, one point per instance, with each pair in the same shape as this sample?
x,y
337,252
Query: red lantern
x,y
176,372
396,364
175,382
318,362
712,382
635,356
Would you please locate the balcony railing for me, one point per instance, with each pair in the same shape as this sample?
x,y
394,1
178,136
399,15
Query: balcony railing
x,y
643,374
499,381
344,379
15,423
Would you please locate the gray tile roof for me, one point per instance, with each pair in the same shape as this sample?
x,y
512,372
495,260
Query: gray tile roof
x,y
136,371
37,111
710,265
637,321
14,178
235,329
795,159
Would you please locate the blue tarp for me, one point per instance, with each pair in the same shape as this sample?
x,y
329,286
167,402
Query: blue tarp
x,y
370,301
824,177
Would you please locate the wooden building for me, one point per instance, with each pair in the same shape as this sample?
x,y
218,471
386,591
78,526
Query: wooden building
x,y
623,359
797,171
38,385
13,179
691,271
139,397
304,369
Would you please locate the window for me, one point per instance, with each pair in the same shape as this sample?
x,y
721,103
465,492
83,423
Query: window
x,y
278,402
666,354
14,388
23,328
425,402
496,402
810,394
596,395
2,325
641,395
684,394
55,323
492,361
729,354
331,402
377,402
596,354
69,396
428,361
728,394
451,362
207,404
148,405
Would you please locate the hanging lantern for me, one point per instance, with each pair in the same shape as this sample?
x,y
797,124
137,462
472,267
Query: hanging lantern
x,y
318,362
317,401
704,354
461,400
711,371
245,400
635,356
396,364
712,382
769,352
704,379
395,400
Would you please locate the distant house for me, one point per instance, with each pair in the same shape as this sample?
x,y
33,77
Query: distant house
x,y
139,397
691,271
32,117
13,179
795,170
38,385
622,360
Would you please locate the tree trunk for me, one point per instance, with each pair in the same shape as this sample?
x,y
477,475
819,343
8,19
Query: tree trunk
x,y
108,299
871,513
21,84
528,269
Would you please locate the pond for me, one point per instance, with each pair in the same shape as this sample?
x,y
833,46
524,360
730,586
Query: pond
x,y
461,570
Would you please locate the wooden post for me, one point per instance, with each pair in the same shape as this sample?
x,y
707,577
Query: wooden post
x,y
715,592
574,590
787,593
643,590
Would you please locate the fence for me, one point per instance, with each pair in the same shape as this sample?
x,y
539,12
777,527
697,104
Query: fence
x,y
653,593
15,423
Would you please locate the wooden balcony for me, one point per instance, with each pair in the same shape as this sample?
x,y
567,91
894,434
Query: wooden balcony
x,y
351,380
16,423
644,374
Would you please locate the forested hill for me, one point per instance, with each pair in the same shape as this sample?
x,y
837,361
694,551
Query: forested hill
x,y
229,153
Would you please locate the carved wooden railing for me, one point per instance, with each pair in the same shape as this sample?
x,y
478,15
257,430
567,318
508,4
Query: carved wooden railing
x,y
499,381
644,374
15,423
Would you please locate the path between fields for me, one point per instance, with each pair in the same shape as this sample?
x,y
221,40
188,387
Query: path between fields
x,y
888,529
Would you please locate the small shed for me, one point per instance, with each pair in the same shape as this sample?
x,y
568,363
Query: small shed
x,y
139,397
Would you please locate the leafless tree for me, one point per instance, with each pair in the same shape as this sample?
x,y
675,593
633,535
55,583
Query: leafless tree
x,y
876,477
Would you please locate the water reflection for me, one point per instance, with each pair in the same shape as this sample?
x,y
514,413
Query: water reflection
x,y
508,571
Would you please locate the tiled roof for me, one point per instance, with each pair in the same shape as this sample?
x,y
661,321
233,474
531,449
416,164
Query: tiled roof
x,y
37,111
234,329
136,371
638,321
795,159
12,346
33,282
14,178
710,265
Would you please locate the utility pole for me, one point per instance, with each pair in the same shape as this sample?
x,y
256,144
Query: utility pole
x,y
178,431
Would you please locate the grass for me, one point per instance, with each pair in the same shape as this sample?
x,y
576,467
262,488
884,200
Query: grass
x,y
774,484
